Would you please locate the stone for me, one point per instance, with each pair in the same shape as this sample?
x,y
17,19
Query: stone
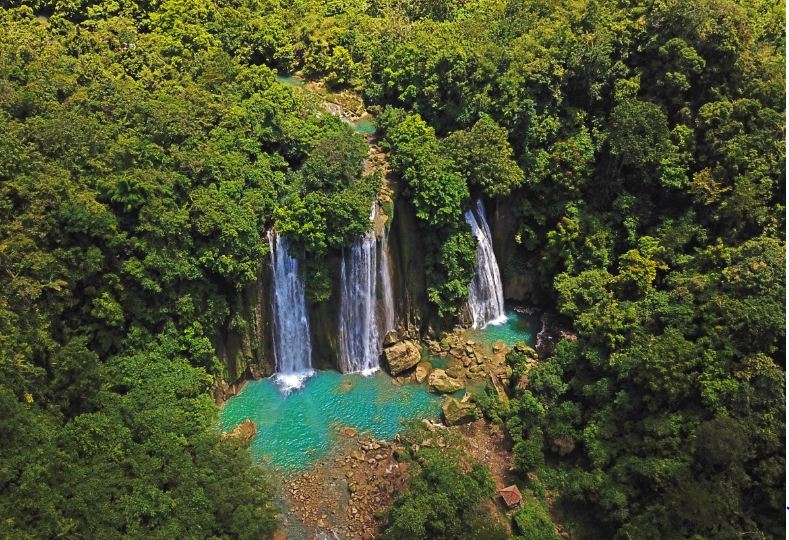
x,y
423,369
456,372
499,346
390,338
476,370
244,432
457,412
441,382
349,431
402,356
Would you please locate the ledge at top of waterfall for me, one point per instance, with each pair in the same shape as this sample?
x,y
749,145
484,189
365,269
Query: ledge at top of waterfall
x,y
486,294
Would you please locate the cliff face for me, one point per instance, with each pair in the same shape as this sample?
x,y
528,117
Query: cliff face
x,y
517,276
324,322
244,346
407,258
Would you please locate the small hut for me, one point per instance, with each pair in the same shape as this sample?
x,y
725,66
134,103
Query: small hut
x,y
511,496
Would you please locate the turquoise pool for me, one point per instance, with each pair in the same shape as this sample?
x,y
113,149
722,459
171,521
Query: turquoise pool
x,y
296,429
364,125
290,80
517,327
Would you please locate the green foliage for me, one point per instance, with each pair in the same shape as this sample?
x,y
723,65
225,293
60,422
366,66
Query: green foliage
x,y
638,149
443,500
439,196
532,522
144,154
483,156
146,462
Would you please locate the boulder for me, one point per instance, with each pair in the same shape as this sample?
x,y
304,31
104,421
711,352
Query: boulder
x,y
243,432
476,370
441,382
458,412
423,369
456,372
402,356
390,338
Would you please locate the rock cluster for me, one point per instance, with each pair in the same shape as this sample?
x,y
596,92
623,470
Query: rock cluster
x,y
347,495
465,359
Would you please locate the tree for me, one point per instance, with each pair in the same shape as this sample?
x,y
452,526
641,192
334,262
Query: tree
x,y
441,500
483,155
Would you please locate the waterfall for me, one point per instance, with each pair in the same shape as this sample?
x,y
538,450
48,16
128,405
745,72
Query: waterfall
x,y
385,277
486,295
291,328
361,332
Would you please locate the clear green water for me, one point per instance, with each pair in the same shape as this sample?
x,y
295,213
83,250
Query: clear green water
x,y
517,328
297,429
365,126
290,80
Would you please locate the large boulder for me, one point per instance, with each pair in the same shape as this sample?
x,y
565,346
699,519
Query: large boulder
x,y
458,412
441,382
423,369
402,356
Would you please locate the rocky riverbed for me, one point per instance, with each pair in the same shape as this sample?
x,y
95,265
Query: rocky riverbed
x,y
347,494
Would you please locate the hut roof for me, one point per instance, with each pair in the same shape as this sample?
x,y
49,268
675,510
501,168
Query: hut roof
x,y
511,495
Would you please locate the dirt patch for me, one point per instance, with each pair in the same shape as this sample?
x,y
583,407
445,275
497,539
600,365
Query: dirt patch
x,y
487,444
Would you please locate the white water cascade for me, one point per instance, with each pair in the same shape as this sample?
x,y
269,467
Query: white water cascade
x,y
291,327
486,294
385,277
361,331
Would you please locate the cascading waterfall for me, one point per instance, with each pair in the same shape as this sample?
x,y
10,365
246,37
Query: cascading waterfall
x,y
486,294
360,329
291,328
385,277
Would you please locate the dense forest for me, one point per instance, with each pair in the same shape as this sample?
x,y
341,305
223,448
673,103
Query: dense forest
x,y
636,150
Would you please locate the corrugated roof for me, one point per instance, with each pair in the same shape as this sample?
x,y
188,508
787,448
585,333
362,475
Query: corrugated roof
x,y
511,495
